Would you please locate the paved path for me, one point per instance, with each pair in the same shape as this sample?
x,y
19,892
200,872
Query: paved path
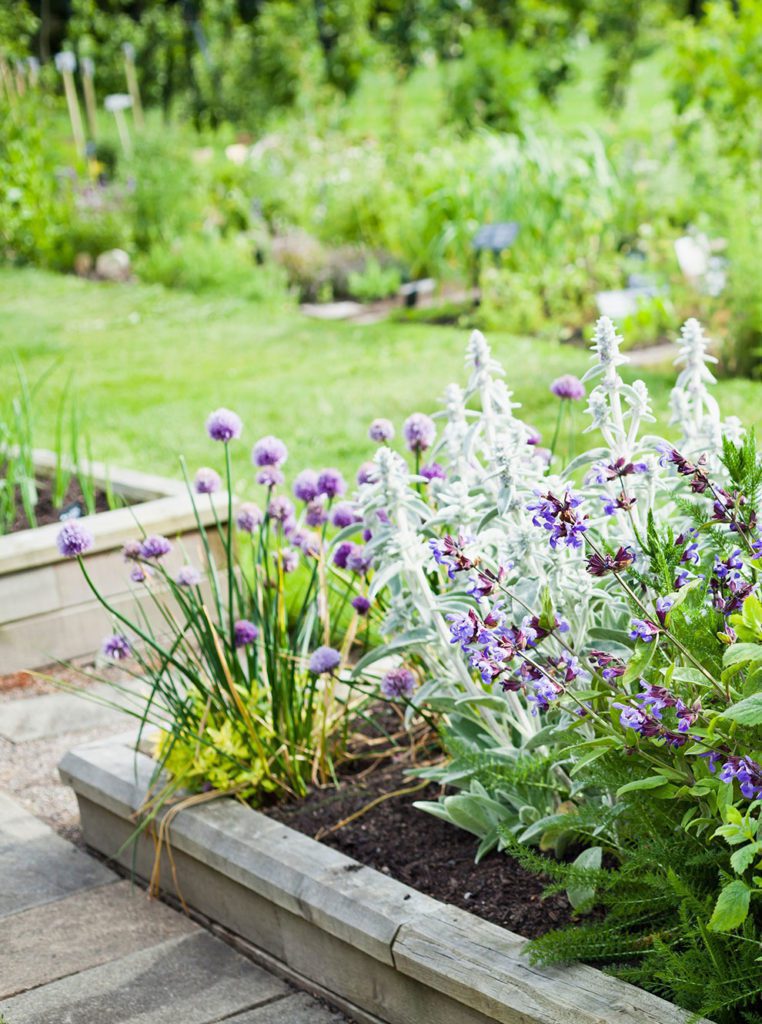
x,y
82,945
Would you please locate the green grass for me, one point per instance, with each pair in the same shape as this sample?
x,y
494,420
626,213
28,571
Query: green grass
x,y
149,364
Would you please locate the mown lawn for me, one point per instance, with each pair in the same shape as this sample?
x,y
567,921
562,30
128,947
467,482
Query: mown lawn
x,y
147,365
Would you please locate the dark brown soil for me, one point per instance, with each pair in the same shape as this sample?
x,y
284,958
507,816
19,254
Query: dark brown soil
x,y
47,512
424,852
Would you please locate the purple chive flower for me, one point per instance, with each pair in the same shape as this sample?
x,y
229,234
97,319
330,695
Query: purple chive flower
x,y
224,425
155,546
289,559
361,605
309,543
342,553
306,485
132,551
398,682
420,431
324,660
188,576
642,629
559,517
269,451
381,431
244,632
281,509
316,513
74,539
249,517
140,573
116,647
331,483
344,515
433,471
358,560
207,481
270,476
366,474
568,387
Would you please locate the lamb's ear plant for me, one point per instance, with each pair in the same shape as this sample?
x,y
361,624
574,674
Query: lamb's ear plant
x,y
245,686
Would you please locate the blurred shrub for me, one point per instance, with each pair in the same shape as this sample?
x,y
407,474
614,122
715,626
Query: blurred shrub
x,y
492,84
374,281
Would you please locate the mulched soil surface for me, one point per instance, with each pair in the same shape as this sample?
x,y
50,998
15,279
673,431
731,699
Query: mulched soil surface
x,y
424,852
46,512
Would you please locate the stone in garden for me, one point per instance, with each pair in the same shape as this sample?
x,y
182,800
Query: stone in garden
x,y
113,265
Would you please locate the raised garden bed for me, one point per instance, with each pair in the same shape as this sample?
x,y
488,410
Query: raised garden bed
x,y
47,611
378,948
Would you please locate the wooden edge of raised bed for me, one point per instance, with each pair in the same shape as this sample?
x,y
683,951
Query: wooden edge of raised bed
x,y
376,943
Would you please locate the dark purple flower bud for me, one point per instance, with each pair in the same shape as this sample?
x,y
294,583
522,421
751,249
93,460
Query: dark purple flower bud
x,y
381,431
74,539
419,431
249,517
345,515
331,483
324,660
207,481
306,485
224,425
358,560
155,546
366,474
342,553
269,451
398,682
601,565
568,387
534,437
361,605
433,471
116,647
245,632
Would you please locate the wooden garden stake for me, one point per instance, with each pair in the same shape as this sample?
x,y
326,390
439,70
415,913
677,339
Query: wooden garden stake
x,y
66,63
87,68
132,83
116,104
34,71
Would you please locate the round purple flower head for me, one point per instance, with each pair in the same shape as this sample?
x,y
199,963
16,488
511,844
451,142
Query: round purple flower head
x,y
224,425
331,483
433,471
419,431
306,485
289,559
132,551
534,436
569,387
366,474
249,517
140,573
269,451
344,515
398,682
74,539
116,647
188,576
281,509
207,481
316,514
155,547
361,605
245,632
342,553
381,431
324,660
358,560
270,476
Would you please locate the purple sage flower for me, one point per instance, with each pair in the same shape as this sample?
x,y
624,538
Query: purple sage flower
x,y
244,632
155,546
568,387
361,605
116,647
324,660
249,517
207,481
306,485
188,576
74,539
419,431
269,451
224,425
398,682
642,629
331,483
559,517
381,431
748,774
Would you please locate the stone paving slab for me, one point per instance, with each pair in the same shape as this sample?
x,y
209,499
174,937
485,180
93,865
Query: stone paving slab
x,y
34,718
37,866
296,1009
194,980
83,931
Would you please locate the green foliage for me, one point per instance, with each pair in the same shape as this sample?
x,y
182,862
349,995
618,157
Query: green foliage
x,y
492,84
374,281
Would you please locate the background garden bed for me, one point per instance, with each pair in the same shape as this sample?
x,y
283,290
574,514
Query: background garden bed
x,y
47,611
382,950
